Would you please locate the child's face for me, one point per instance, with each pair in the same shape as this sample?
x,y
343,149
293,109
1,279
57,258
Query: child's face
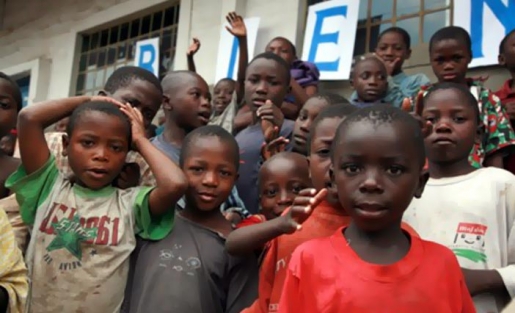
x,y
8,108
279,182
211,173
7,145
265,80
303,123
191,103
143,96
377,172
454,126
97,149
61,125
390,47
370,80
222,96
320,159
449,60
281,48
507,58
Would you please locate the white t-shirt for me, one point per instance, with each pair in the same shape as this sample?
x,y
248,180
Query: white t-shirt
x,y
473,215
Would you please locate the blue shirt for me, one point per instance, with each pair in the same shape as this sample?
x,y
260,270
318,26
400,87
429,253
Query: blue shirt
x,y
402,86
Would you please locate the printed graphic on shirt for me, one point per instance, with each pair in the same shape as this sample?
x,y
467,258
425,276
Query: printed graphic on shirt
x,y
172,258
469,242
71,232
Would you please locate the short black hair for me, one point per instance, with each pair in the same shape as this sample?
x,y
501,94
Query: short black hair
x,y
229,80
503,41
452,32
385,114
400,31
292,46
339,110
16,89
469,97
365,58
330,98
276,58
124,76
98,106
210,131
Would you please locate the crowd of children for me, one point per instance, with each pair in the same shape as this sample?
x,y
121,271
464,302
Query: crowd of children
x,y
265,195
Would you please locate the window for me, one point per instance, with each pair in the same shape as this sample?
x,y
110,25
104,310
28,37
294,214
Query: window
x,y
420,18
108,49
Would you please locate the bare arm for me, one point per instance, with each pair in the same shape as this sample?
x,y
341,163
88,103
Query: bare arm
x,y
238,30
194,47
171,182
32,122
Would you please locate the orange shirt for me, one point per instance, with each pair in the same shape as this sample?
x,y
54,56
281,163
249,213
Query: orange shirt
x,y
326,275
323,222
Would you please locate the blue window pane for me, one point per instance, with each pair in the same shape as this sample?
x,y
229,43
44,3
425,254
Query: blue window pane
x,y
412,26
433,22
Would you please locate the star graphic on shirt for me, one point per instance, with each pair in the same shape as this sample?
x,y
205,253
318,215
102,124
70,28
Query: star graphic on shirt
x,y
69,234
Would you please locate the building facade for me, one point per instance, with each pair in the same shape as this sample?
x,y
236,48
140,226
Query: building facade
x,y
58,48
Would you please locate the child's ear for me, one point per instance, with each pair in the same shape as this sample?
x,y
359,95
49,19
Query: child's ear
x,y
66,143
166,103
501,59
422,180
480,132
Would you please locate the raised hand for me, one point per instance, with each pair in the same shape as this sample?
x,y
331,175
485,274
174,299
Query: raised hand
x,y
271,120
302,208
273,147
194,47
416,111
237,27
137,125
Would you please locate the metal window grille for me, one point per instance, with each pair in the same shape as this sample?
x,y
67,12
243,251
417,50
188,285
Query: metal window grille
x,y
104,51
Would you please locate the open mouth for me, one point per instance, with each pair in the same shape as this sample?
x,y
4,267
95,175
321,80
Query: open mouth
x,y
450,76
259,102
98,172
372,92
204,116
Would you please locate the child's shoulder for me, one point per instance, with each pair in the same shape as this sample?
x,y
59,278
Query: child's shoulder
x,y
495,174
435,253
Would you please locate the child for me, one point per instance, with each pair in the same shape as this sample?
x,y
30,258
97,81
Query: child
x,y
13,273
84,231
186,108
267,81
373,265
189,271
507,92
479,227
7,144
225,102
304,76
369,81
450,52
10,105
393,48
281,178
307,115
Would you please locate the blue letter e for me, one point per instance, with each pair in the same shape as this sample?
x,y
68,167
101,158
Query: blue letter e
x,y
147,52
319,38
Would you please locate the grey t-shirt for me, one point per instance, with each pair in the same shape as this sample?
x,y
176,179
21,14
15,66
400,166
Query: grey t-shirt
x,y
172,151
189,272
250,140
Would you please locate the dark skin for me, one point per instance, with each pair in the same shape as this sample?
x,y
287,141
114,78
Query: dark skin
x,y
370,80
280,181
222,96
8,115
450,59
393,51
454,131
507,60
377,171
265,87
97,148
303,123
284,49
61,125
187,105
211,174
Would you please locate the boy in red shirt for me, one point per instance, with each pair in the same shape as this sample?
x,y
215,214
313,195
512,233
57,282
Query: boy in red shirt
x,y
373,265
507,92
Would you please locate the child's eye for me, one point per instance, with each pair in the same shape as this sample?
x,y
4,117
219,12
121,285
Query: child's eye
x,y
430,119
270,193
4,106
297,189
457,58
323,153
196,169
351,169
395,170
365,75
459,119
87,143
117,148
196,94
225,173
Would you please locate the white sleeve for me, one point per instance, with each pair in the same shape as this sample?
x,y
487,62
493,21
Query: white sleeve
x,y
508,272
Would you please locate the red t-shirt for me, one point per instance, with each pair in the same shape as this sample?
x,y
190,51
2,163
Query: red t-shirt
x,y
323,222
507,95
326,275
